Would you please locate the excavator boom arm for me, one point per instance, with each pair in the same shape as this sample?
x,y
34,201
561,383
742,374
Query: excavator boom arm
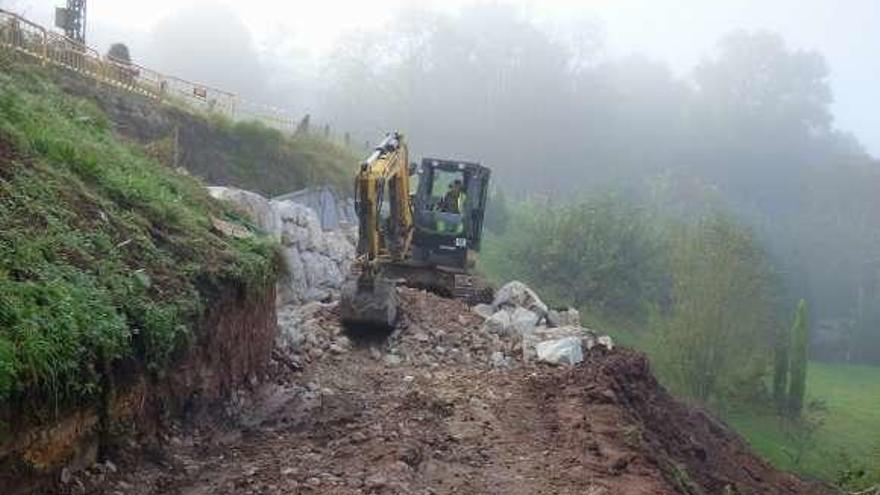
x,y
385,218
383,203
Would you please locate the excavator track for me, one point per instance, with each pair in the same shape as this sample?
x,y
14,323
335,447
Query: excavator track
x,y
440,280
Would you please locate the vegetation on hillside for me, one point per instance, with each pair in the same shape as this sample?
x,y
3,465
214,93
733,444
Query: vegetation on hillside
x,y
800,343
599,252
105,254
712,341
268,161
246,154
702,290
555,114
700,295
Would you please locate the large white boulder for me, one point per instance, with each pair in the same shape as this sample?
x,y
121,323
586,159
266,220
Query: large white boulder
x,y
250,203
564,351
499,323
293,284
299,226
515,294
541,333
483,310
339,247
523,320
563,317
604,341
321,271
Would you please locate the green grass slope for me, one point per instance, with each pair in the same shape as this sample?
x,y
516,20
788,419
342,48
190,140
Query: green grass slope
x,y
105,254
263,159
848,438
244,154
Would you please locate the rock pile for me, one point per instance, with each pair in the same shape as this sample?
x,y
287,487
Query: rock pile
x,y
551,336
436,332
317,261
310,331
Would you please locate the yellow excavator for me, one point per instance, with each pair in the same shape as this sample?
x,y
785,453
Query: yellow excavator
x,y
420,225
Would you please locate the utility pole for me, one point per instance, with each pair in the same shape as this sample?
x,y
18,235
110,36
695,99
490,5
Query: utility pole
x,y
72,19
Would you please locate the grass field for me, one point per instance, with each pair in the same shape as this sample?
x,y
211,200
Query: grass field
x,y
850,433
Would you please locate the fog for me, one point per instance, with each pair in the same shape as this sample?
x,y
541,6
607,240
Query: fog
x,y
294,38
767,110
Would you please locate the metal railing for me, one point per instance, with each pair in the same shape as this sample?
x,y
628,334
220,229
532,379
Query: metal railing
x,y
50,48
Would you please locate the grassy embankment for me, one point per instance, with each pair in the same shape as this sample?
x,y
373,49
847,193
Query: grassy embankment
x,y
267,161
106,256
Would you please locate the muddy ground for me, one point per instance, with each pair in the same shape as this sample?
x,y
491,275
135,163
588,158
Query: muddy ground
x,y
429,410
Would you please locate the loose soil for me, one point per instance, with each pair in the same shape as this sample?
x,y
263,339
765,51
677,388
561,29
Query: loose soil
x,y
357,421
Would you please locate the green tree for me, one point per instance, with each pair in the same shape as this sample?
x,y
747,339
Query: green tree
x,y
711,343
497,213
119,52
598,253
780,368
800,343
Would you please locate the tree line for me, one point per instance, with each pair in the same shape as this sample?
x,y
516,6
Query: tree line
x,y
749,130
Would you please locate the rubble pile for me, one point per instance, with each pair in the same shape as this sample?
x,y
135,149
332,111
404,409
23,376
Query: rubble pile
x,y
515,330
310,331
548,335
518,327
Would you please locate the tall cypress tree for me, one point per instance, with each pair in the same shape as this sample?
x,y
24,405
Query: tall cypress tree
x,y
800,343
780,367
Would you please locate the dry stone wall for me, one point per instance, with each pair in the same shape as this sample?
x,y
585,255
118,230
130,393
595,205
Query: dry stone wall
x,y
317,260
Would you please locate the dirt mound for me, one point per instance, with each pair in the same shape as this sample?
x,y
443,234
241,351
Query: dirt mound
x,y
429,411
694,452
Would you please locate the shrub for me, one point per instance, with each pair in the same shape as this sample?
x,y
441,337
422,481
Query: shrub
x,y
713,340
800,343
598,252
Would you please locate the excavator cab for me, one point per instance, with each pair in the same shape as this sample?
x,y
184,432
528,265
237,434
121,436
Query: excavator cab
x,y
448,204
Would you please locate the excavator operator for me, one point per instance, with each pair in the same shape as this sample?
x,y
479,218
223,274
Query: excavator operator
x,y
453,201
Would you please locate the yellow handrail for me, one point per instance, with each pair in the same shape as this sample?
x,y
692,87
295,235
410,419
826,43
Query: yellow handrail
x,y
48,47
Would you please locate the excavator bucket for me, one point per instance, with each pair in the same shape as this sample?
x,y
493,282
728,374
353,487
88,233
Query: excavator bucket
x,y
369,304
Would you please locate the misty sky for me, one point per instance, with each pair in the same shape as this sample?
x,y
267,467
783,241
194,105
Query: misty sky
x,y
678,32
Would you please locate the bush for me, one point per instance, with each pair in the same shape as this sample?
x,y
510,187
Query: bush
x,y
598,253
714,339
800,343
